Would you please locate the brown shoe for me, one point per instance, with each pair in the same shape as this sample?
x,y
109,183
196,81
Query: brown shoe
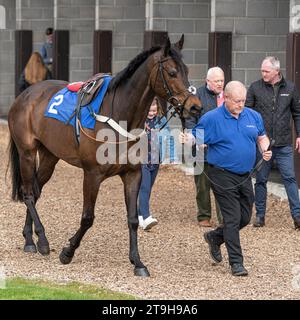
x,y
204,223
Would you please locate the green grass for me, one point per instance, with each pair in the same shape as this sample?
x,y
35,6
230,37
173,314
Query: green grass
x,y
22,289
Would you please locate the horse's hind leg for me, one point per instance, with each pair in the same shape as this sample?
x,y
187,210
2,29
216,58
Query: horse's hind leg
x,y
45,170
91,183
131,181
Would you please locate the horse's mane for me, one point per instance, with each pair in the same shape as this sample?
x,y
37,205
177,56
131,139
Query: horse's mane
x,y
133,65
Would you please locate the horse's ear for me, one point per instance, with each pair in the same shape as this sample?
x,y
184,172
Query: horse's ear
x,y
179,44
167,47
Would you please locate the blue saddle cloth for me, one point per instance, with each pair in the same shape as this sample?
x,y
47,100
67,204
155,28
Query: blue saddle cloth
x,y
63,104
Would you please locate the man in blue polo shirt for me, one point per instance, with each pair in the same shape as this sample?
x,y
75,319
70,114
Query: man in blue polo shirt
x,y
231,133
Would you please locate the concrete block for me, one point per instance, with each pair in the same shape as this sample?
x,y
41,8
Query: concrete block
x,y
202,25
195,11
238,42
81,50
85,37
184,26
82,3
7,77
106,25
230,8
134,39
159,25
197,71
201,56
86,64
262,8
119,40
125,54
41,3
262,43
64,24
78,75
196,41
129,26
106,3
126,3
87,12
137,12
252,75
166,11
74,64
283,9
32,13
279,26
188,56
224,24
249,59
249,26
68,12
111,13
83,25
117,66
238,75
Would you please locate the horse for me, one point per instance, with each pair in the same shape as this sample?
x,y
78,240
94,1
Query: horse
x,y
37,142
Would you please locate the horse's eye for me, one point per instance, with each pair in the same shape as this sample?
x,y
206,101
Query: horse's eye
x,y
173,73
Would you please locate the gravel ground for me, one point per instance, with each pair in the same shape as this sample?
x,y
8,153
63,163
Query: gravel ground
x,y
174,251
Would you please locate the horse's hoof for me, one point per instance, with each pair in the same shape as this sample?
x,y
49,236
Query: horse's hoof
x,y
43,250
64,259
141,272
31,248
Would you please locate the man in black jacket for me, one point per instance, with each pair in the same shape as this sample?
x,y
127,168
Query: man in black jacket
x,y
276,99
211,96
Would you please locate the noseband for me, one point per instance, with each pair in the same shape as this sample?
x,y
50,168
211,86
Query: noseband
x,y
173,98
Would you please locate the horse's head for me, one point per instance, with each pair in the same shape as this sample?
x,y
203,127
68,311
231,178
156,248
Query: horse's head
x,y
169,80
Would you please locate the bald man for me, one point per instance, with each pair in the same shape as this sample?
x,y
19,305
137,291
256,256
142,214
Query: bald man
x,y
211,97
232,133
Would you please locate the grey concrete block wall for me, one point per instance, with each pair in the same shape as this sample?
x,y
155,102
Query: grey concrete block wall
x,y
78,16
259,29
191,17
126,18
7,70
35,15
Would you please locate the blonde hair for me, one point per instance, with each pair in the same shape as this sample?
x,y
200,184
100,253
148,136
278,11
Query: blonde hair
x,y
35,69
159,107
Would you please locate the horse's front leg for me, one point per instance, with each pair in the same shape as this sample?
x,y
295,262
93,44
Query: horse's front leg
x,y
131,181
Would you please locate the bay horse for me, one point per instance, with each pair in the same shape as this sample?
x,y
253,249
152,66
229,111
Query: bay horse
x,y
158,71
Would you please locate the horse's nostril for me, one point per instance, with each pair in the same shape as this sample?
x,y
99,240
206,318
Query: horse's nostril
x,y
195,109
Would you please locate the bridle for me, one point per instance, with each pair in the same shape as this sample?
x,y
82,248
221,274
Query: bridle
x,y
172,98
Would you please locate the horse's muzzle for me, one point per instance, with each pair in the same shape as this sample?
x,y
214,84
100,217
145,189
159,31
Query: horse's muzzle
x,y
196,110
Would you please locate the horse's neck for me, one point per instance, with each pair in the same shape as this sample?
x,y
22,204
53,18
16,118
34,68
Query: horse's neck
x,y
134,102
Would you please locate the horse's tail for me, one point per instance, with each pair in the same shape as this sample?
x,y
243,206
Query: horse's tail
x,y
16,178
15,172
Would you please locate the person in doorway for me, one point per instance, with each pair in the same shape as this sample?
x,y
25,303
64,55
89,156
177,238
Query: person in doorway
x,y
46,50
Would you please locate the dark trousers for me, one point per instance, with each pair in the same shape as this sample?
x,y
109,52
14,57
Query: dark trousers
x,y
285,163
203,186
236,207
148,179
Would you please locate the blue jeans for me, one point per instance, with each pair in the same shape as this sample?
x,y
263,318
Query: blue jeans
x,y
285,164
148,179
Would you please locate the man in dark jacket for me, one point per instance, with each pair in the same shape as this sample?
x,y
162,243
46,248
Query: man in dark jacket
x,y
276,99
211,96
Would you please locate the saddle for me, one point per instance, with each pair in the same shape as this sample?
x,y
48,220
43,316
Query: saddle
x,y
87,91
